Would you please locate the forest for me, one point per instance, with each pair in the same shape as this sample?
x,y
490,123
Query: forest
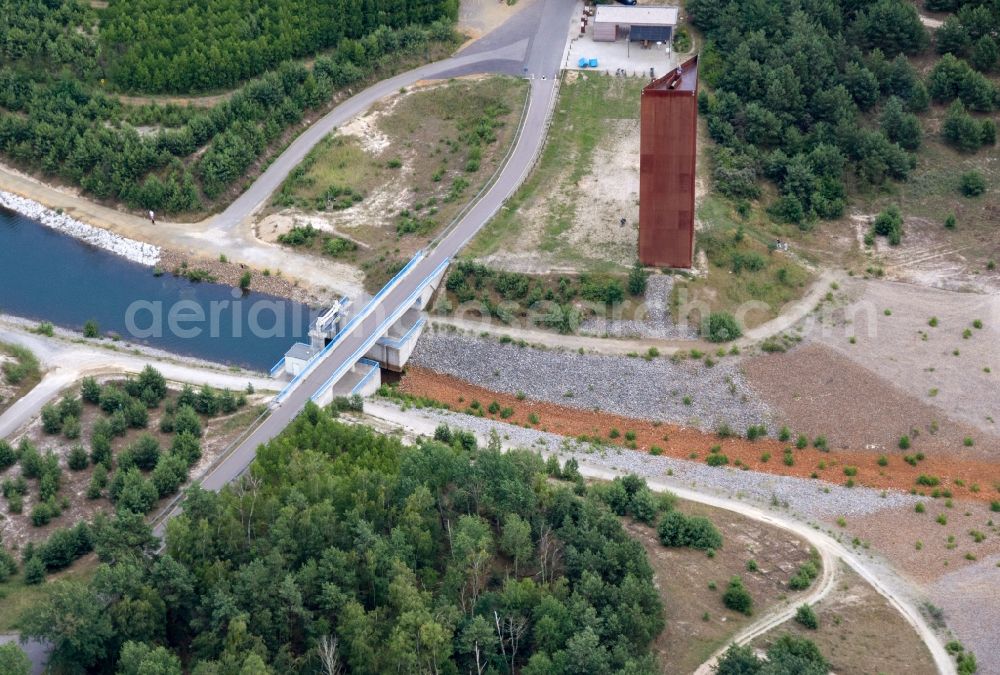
x,y
194,45
58,119
819,96
346,549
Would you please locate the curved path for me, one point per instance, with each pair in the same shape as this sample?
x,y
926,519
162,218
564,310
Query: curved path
x,y
530,43
882,579
67,361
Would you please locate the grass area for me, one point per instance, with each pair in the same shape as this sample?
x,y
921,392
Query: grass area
x,y
580,125
404,171
557,302
16,596
746,275
19,374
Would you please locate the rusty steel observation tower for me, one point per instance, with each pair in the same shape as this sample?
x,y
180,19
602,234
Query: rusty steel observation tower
x,y
666,168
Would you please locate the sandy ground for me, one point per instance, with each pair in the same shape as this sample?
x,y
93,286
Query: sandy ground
x,y
971,602
859,632
817,390
926,257
682,576
967,590
476,18
918,358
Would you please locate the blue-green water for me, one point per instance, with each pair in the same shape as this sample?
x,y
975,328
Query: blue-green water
x,y
49,276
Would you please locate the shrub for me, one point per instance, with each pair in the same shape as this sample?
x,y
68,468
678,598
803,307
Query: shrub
x,y
804,575
737,598
7,455
784,435
90,391
972,184
721,327
755,431
802,442
929,481
91,329
637,277
889,224
716,459
807,617
78,459
170,473
904,442
676,529
186,420
98,481
34,571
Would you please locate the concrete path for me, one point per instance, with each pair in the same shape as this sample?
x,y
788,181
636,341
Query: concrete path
x,y
882,578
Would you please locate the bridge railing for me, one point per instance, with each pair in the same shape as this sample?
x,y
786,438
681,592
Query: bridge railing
x,y
353,323
380,330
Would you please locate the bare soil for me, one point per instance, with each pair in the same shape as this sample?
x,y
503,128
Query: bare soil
x,y
977,475
682,576
860,633
943,548
817,391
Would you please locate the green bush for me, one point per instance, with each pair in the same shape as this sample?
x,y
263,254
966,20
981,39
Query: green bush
x,y
807,617
737,598
78,459
716,459
889,224
972,184
721,327
676,529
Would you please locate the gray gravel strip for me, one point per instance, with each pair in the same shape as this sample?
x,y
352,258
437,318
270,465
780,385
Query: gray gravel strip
x,y
657,324
807,499
686,392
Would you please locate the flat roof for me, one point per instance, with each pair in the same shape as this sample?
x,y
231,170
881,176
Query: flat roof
x,y
301,351
637,15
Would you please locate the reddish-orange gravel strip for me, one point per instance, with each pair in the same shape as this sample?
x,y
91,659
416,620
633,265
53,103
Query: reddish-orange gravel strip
x,y
680,442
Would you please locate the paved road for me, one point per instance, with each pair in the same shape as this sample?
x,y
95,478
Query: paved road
x,y
533,39
538,34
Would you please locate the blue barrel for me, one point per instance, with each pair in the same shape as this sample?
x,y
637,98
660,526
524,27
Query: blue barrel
x,y
582,63
593,63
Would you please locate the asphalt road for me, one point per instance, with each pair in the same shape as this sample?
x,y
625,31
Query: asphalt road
x,y
532,43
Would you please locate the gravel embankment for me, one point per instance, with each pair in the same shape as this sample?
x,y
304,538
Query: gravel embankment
x,y
805,498
686,392
136,251
658,323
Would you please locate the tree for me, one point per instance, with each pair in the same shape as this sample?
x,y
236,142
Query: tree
x,y
515,540
960,130
34,571
13,660
479,640
78,459
900,126
245,281
73,619
637,277
138,658
91,329
891,26
985,54
90,390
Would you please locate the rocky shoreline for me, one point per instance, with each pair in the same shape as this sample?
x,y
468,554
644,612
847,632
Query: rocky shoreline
x,y
130,249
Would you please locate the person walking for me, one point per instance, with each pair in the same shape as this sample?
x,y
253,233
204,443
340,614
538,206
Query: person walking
x,y
152,217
